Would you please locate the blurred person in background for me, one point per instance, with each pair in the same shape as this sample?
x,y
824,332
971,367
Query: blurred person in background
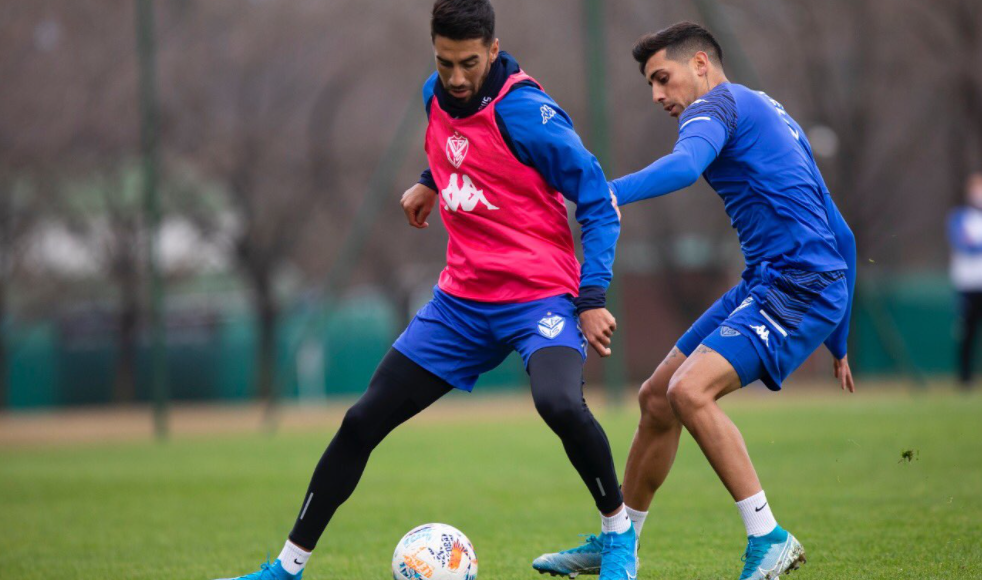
x,y
503,158
965,237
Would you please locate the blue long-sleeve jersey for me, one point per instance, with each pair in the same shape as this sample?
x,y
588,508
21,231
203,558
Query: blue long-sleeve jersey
x,y
541,135
758,159
961,235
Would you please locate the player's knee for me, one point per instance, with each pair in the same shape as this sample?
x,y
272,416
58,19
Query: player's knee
x,y
656,411
685,395
359,427
561,412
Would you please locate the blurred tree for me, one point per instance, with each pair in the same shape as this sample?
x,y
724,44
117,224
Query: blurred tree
x,y
102,214
242,115
66,117
946,28
20,211
288,106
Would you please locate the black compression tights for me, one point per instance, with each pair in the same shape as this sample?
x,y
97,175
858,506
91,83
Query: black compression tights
x,y
400,389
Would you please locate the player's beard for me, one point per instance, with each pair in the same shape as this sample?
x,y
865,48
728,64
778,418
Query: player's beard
x,y
477,88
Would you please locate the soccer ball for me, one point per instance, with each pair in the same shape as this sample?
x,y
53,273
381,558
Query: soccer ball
x,y
434,552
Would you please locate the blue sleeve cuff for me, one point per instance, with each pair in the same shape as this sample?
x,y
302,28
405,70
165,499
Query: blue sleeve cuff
x,y
590,298
426,178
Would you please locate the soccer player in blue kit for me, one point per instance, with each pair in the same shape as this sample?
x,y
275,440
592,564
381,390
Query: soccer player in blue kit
x,y
794,295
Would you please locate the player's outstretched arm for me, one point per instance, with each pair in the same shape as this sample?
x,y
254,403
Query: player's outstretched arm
x,y
417,203
704,129
677,170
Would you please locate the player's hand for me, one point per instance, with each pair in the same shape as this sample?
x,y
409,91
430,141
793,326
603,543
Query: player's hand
x,y
598,325
418,202
840,368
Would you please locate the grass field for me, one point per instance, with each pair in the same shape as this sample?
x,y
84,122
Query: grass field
x,y
198,508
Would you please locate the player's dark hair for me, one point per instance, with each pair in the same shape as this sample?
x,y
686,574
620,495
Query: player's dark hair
x,y
463,20
681,40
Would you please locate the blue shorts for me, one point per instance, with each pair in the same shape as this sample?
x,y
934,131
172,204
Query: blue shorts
x,y
769,323
458,339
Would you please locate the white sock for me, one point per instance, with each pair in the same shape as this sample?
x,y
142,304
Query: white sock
x,y
293,558
617,523
637,518
756,514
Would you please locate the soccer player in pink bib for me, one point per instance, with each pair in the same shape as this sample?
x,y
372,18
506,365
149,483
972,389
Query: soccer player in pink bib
x,y
503,158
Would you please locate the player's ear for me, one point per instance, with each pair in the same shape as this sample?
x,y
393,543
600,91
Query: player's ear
x,y
701,62
494,50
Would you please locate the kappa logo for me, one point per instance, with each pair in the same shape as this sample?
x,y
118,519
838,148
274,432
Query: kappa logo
x,y
547,113
457,147
762,332
728,332
464,196
551,326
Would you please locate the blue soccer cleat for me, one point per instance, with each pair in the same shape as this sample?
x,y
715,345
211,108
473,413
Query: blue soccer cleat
x,y
619,559
584,559
269,571
768,557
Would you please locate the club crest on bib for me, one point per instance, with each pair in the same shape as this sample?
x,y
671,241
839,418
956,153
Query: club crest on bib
x,y
551,326
457,146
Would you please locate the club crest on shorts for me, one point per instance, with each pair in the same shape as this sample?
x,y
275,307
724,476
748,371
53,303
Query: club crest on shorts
x,y
728,331
551,326
457,147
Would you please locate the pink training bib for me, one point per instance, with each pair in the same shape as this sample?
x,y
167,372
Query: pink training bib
x,y
510,239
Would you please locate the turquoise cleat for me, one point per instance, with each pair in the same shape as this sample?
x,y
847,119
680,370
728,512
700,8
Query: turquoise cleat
x,y
583,559
619,559
768,557
269,571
